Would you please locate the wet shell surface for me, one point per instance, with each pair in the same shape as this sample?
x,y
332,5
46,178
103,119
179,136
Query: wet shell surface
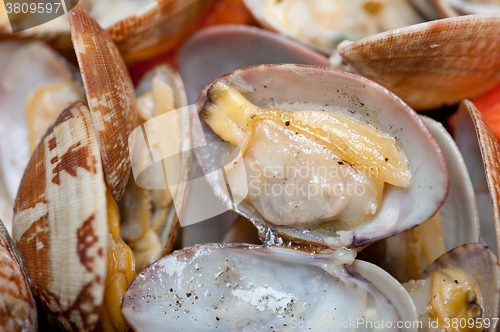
x,y
432,64
245,287
296,87
17,305
480,266
60,226
110,96
489,147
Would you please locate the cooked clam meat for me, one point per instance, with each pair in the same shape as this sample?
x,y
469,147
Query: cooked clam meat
x,y
306,166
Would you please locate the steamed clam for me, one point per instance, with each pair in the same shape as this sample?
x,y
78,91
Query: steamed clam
x,y
291,125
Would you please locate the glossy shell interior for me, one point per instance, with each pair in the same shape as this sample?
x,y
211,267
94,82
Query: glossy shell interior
x,y
296,87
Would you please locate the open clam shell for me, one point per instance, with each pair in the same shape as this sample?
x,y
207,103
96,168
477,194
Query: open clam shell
x,y
60,226
473,136
436,9
324,24
240,287
481,268
110,95
25,67
298,87
432,64
149,196
17,305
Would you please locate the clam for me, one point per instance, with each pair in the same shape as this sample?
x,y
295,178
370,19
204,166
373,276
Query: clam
x,y
437,9
66,227
140,28
431,64
110,95
246,287
229,47
17,305
324,24
460,289
36,84
407,254
359,197
150,224
475,139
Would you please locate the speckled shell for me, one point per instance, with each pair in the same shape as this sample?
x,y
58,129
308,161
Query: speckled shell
x,y
60,226
237,287
481,264
292,86
490,153
432,64
110,95
158,27
17,305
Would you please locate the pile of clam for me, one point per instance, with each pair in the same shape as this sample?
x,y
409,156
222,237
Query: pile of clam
x,y
328,202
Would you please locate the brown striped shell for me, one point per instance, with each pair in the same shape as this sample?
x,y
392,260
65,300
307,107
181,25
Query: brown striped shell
x,y
157,28
110,95
432,64
17,305
60,226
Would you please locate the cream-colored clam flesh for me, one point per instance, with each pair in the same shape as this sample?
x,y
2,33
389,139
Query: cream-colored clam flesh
x,y
302,141
17,306
332,155
60,223
145,210
78,265
324,23
462,285
244,287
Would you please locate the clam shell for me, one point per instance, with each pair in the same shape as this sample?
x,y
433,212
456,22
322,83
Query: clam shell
x,y
24,66
328,23
60,221
490,153
230,47
293,87
17,305
245,287
481,265
110,95
156,28
432,64
168,75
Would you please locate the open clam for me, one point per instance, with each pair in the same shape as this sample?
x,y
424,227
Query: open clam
x,y
461,290
240,287
324,24
322,217
150,224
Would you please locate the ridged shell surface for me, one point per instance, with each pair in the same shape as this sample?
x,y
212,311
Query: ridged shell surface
x,y
60,221
432,64
110,95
